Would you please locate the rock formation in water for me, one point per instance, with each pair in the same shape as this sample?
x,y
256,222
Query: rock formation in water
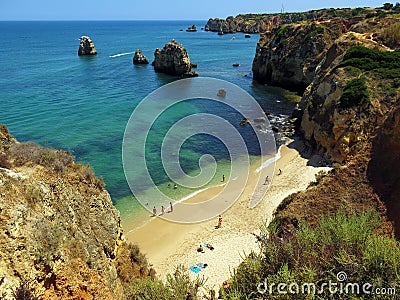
x,y
173,59
139,58
60,234
86,46
192,28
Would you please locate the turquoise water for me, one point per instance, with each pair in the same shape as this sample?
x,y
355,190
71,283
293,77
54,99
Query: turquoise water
x,y
51,96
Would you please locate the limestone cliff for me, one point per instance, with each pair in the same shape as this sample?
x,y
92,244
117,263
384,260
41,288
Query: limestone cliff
x,y
288,55
60,234
307,57
261,23
350,114
173,59
336,128
86,46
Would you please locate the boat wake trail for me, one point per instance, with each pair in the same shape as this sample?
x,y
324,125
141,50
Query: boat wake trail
x,y
120,54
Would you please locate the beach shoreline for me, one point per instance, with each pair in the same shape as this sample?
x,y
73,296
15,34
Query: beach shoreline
x,y
167,244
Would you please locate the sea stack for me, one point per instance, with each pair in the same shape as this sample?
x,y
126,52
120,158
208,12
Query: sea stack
x,y
139,58
173,59
193,28
86,46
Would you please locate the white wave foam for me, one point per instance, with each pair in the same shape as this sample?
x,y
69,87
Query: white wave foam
x,y
270,161
197,192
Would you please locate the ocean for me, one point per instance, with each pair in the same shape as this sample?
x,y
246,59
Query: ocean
x,y
51,96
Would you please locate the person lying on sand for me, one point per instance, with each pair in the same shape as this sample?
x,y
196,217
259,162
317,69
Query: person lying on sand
x,y
209,246
200,249
202,265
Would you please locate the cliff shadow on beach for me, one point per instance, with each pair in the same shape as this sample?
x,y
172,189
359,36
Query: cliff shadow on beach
x,y
307,151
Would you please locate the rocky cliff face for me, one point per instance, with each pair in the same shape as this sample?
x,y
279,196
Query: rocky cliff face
x,y
86,46
60,234
307,56
383,169
173,59
350,114
261,23
288,55
339,130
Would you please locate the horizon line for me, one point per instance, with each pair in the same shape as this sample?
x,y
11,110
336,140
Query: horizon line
x,y
96,20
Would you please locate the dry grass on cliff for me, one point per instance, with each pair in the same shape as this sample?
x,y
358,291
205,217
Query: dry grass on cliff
x,y
391,35
22,153
346,186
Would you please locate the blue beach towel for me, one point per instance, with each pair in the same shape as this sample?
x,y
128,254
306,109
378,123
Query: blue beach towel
x,y
195,269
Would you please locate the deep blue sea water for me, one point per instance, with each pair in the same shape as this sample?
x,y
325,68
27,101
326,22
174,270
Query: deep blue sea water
x,y
51,96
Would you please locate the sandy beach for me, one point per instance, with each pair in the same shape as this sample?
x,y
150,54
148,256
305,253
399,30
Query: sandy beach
x,y
167,244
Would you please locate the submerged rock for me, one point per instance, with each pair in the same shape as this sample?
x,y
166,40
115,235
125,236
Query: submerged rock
x,y
173,59
86,46
139,58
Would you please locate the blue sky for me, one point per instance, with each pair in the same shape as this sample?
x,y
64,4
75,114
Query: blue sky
x,y
158,9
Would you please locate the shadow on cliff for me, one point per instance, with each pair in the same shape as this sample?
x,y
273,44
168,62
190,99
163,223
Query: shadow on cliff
x,y
384,167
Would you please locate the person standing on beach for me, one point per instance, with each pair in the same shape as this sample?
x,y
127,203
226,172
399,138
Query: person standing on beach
x,y
171,209
154,211
223,178
266,180
162,209
219,222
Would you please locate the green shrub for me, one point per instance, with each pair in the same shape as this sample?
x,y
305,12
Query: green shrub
x,y
283,42
355,93
136,256
148,289
318,177
281,32
384,63
178,287
340,243
316,31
